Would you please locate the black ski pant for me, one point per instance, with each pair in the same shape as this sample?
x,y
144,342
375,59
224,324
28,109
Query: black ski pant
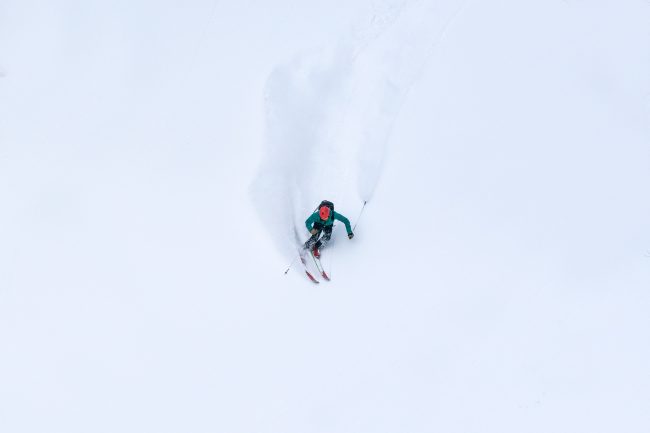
x,y
314,239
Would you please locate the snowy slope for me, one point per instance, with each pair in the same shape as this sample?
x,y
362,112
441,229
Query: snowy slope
x,y
155,158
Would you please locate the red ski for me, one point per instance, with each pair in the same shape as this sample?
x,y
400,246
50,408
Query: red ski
x,y
309,275
319,266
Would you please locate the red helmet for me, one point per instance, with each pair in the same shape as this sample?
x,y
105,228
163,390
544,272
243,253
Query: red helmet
x,y
324,212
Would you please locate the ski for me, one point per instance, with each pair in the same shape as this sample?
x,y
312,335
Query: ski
x,y
309,275
301,254
319,266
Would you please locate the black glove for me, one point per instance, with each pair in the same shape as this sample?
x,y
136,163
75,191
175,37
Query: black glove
x,y
350,235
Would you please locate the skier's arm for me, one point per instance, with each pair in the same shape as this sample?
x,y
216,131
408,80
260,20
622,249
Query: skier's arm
x,y
310,221
344,220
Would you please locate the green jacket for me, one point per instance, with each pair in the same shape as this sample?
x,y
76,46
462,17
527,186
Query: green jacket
x,y
315,218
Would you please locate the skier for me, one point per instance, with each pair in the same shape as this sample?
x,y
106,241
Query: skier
x,y
322,221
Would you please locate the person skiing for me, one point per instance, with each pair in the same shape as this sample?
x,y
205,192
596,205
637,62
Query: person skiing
x,y
322,221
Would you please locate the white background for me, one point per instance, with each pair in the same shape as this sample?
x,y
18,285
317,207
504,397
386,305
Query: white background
x,y
156,156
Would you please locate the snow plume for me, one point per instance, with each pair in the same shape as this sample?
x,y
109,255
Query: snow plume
x,y
303,102
330,114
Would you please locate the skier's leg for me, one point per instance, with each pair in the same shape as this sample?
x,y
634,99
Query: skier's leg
x,y
311,241
327,234
314,238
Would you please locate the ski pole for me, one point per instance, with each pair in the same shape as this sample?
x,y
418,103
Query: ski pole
x,y
291,264
359,217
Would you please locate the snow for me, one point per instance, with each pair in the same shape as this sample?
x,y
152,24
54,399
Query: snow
x,y
156,157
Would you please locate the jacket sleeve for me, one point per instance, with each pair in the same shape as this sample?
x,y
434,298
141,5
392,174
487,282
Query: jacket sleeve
x,y
344,220
310,222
